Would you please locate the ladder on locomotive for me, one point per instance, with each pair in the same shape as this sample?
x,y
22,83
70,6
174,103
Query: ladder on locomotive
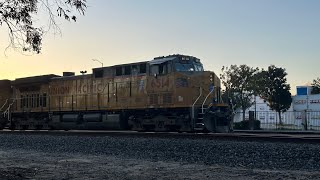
x,y
198,124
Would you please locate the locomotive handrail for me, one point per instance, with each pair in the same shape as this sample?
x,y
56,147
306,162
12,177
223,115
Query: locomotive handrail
x,y
206,99
7,111
192,115
4,105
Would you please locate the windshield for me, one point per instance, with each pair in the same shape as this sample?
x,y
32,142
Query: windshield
x,y
180,67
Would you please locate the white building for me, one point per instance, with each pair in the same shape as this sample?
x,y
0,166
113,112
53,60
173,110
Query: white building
x,y
305,107
304,100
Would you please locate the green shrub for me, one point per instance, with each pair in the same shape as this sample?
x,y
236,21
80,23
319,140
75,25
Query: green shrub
x,y
245,125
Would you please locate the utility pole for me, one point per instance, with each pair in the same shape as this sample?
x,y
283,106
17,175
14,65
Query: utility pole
x,y
98,61
255,107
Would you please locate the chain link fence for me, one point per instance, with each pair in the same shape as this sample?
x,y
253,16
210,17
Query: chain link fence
x,y
290,120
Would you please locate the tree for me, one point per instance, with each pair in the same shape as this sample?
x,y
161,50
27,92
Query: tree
x,y
315,86
237,81
18,16
274,89
230,96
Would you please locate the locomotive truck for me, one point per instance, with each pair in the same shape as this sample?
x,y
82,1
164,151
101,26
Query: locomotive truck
x,y
168,93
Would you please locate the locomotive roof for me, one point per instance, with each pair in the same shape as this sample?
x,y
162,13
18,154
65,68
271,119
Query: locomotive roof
x,y
134,63
33,79
5,83
161,60
71,77
156,60
48,77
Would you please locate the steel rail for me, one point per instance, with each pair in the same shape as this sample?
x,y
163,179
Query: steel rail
x,y
268,137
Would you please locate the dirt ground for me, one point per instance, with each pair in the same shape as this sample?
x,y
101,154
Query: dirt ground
x,y
23,164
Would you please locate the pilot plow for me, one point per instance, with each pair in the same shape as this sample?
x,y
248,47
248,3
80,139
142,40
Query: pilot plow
x,y
218,118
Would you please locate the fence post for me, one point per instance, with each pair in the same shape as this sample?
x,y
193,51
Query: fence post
x,y
251,120
304,120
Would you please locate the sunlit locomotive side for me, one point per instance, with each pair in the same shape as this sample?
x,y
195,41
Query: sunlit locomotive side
x,y
171,93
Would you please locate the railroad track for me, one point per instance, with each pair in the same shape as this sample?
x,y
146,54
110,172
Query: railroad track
x,y
236,136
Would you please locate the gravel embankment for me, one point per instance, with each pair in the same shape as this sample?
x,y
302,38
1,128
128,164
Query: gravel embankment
x,y
258,155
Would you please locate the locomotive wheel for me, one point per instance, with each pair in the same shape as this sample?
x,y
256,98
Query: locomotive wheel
x,y
160,126
160,123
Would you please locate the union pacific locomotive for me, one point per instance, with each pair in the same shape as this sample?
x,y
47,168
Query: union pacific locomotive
x,y
171,93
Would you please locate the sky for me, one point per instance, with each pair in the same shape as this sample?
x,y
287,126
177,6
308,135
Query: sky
x,y
259,33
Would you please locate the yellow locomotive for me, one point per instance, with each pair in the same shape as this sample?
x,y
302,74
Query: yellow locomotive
x,y
171,93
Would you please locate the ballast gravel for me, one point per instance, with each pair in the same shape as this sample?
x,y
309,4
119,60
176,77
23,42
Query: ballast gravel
x,y
110,157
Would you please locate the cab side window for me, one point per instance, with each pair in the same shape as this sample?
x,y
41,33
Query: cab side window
x,y
119,71
154,70
134,70
142,68
160,69
127,70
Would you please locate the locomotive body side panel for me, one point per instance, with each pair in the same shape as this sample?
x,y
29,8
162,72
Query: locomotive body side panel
x,y
71,94
31,94
6,92
138,93
160,91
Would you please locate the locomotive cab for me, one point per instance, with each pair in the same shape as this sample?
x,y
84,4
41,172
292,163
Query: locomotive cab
x,y
175,63
192,91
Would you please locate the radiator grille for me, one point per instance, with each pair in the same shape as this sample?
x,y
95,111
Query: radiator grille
x,y
167,98
153,99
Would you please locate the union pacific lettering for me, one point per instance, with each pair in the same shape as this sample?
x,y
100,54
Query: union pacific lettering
x,y
99,87
87,88
59,90
83,88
